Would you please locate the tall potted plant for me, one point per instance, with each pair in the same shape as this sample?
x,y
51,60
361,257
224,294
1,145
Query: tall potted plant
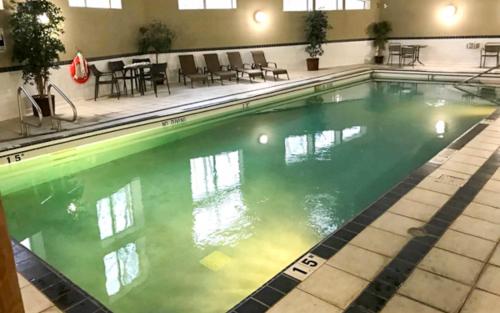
x,y
155,37
316,29
379,31
36,28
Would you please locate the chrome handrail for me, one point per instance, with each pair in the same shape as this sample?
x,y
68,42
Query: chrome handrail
x,y
23,123
52,106
468,80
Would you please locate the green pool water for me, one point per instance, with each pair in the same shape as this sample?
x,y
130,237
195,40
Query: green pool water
x,y
195,221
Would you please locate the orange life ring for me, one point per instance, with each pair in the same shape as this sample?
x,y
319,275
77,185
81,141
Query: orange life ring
x,y
79,69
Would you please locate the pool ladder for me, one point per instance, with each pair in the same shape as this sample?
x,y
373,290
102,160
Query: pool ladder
x,y
56,120
469,83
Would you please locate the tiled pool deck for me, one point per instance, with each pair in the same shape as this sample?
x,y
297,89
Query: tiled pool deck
x,y
430,245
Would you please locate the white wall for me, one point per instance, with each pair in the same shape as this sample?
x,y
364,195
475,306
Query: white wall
x,y
445,52
291,57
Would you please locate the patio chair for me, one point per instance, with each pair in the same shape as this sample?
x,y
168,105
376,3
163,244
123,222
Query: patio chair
x,y
120,72
259,59
100,79
236,64
189,70
490,51
216,70
394,51
159,76
408,53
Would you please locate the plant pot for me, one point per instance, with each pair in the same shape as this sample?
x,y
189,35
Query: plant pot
x,y
379,59
43,103
312,64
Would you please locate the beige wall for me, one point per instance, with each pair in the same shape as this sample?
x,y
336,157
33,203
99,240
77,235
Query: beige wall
x,y
422,18
100,32
222,28
96,32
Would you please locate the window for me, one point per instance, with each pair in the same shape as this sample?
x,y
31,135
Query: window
x,y
325,5
99,4
206,4
1,4
357,4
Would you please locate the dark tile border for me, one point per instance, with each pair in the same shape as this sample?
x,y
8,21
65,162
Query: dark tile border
x,y
385,285
66,295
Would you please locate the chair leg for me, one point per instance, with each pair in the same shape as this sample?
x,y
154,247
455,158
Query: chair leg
x,y
96,89
155,88
168,85
287,76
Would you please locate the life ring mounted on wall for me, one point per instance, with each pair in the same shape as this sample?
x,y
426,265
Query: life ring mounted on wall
x,y
79,69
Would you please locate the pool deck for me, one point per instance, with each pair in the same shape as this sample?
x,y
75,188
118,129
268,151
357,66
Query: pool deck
x,y
430,245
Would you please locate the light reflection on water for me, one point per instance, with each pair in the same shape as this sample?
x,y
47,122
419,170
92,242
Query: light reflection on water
x,y
208,218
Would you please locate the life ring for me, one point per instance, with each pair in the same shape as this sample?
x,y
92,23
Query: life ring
x,y
79,69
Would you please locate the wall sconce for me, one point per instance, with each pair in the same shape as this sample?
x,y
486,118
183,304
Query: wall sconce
x,y
260,17
449,11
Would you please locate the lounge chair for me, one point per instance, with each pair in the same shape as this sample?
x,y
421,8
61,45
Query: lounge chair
x,y
189,70
237,65
216,70
259,58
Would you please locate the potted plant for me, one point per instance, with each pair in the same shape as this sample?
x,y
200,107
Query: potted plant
x,y
379,31
316,28
155,37
36,28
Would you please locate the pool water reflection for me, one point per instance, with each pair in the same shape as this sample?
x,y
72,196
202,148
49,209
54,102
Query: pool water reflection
x,y
198,222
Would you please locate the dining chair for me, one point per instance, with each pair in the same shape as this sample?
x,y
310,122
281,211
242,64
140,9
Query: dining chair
x,y
100,79
159,75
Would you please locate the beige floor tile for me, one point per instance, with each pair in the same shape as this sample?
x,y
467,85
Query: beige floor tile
x,y
380,241
489,198
397,224
440,185
458,179
481,302
399,304
298,301
359,262
496,176
427,197
434,290
34,300
488,139
476,152
333,286
490,280
470,246
483,212
22,281
481,145
451,265
492,185
476,227
495,258
491,133
52,310
460,167
468,159
413,209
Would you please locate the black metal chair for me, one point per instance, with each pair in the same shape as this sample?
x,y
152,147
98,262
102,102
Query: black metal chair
x,y
120,72
100,80
408,53
394,52
490,50
159,75
146,75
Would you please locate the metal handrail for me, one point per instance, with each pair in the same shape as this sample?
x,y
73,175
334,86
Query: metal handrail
x,y
52,106
468,80
23,123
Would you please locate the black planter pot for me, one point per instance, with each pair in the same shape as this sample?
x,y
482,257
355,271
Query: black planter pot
x,y
43,103
312,64
379,59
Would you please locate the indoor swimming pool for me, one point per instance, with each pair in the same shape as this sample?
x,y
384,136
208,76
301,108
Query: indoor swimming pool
x,y
196,220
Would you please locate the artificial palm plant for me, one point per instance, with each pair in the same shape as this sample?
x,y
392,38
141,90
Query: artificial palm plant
x,y
155,37
379,31
316,30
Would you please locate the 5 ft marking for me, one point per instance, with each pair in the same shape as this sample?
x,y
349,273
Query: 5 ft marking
x,y
15,158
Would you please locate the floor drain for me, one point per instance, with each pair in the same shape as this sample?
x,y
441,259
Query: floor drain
x,y
417,232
